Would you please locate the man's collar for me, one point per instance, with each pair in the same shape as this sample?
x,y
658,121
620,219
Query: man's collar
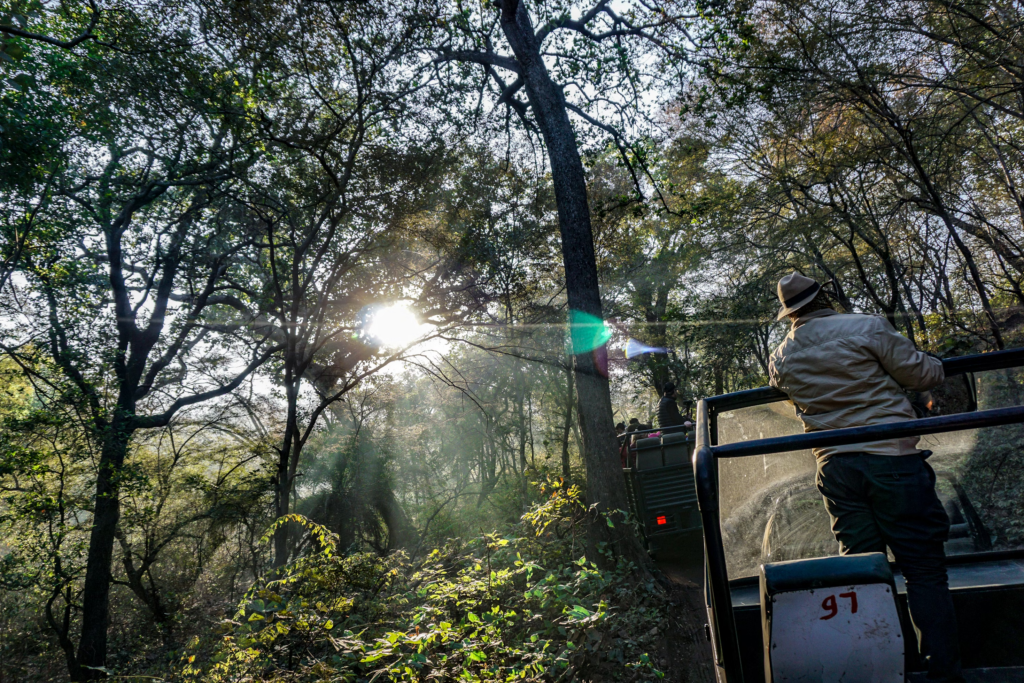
x,y
823,313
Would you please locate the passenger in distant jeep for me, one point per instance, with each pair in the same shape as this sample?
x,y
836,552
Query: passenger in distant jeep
x,y
843,370
670,420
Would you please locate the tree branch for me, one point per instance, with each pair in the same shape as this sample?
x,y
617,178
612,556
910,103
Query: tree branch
x,y
478,57
87,34
162,419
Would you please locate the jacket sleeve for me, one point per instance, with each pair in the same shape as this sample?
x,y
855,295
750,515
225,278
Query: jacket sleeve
x,y
913,369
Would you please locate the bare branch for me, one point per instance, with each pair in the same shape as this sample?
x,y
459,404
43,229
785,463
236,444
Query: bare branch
x,y
162,419
479,57
85,35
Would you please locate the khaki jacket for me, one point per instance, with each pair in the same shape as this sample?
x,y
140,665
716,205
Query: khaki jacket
x,y
850,371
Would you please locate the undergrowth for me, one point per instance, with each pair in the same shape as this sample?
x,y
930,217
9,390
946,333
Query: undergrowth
x,y
525,605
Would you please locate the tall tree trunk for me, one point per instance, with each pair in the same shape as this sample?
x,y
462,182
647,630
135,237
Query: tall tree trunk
x,y
570,392
92,647
521,420
657,337
600,445
283,490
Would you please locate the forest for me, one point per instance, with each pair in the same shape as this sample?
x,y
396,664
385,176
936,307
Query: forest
x,y
314,314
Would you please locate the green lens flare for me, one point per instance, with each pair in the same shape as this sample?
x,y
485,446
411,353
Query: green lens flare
x,y
588,332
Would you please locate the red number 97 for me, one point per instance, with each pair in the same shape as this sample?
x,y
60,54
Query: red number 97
x,y
830,606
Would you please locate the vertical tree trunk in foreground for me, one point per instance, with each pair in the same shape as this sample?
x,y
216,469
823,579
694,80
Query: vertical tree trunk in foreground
x,y
283,479
92,648
600,445
570,392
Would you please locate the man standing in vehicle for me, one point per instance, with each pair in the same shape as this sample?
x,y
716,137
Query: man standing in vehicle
x,y
846,370
670,420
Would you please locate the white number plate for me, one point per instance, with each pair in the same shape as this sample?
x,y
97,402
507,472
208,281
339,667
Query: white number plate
x,y
830,635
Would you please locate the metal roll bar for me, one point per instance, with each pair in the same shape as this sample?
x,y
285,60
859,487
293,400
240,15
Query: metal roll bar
x,y
720,615
675,429
705,469
893,430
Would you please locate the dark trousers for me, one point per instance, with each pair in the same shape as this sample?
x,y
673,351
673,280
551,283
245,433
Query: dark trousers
x,y
877,501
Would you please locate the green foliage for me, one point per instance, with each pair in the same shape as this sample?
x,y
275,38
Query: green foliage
x,y
901,195
992,470
516,606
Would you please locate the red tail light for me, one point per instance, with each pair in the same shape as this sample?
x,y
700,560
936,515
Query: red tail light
x,y
661,520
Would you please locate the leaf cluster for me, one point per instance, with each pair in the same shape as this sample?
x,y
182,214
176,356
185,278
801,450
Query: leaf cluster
x,y
515,606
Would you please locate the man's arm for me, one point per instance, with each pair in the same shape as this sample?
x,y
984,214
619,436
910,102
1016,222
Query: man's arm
x,y
773,371
913,369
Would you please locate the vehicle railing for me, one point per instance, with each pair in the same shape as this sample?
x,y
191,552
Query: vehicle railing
x,y
705,466
655,430
982,362
892,430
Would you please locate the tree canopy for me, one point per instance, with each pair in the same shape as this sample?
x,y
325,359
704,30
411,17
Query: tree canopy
x,y
316,317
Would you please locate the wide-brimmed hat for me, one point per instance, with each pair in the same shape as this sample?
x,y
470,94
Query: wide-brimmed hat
x,y
795,292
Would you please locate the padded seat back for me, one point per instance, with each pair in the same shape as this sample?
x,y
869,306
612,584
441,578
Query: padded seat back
x,y
677,448
648,454
831,620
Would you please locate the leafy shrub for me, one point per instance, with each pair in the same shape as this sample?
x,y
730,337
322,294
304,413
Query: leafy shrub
x,y
514,607
992,472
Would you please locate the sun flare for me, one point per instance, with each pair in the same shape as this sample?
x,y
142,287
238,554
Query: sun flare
x,y
394,326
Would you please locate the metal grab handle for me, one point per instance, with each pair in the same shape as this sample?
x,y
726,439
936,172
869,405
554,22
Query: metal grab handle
x,y
889,430
723,621
979,362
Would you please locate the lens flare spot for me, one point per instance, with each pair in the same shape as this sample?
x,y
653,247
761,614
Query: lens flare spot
x,y
587,332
